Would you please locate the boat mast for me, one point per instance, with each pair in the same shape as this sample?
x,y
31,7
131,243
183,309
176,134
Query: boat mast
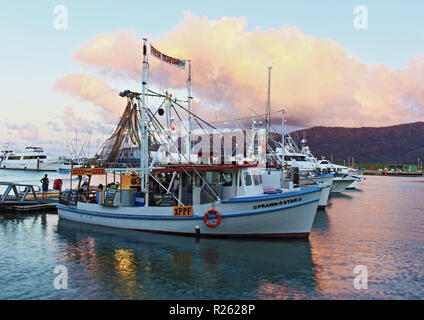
x,y
268,109
168,124
189,110
283,113
144,150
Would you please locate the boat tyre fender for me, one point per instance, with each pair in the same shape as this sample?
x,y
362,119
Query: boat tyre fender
x,y
214,222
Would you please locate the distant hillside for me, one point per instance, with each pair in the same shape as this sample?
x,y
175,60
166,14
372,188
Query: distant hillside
x,y
395,144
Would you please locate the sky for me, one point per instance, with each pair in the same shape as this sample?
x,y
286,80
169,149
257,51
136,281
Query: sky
x,y
59,84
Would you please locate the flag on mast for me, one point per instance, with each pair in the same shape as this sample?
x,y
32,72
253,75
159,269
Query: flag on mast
x,y
163,57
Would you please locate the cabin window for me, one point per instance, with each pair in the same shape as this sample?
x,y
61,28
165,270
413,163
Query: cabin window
x,y
228,179
294,158
212,177
247,179
198,180
257,179
14,158
215,177
42,157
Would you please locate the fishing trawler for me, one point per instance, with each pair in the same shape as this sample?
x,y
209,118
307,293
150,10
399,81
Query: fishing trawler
x,y
184,197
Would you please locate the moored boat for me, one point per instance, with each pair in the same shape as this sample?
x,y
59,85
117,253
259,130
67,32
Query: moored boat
x,y
225,200
292,164
343,177
68,164
33,158
244,210
5,151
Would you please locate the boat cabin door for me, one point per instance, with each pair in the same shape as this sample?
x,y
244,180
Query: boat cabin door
x,y
186,189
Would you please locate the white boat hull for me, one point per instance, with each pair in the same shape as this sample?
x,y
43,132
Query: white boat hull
x,y
325,182
325,193
323,199
355,183
274,178
31,165
287,215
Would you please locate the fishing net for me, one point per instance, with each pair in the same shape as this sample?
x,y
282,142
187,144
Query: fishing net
x,y
124,143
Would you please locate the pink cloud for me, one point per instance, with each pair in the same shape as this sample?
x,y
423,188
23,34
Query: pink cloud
x,y
314,79
92,89
107,52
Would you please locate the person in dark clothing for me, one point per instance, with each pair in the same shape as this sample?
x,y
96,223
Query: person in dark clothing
x,y
45,185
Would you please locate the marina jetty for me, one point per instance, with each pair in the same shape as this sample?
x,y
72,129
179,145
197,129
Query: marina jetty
x,y
393,173
17,197
400,170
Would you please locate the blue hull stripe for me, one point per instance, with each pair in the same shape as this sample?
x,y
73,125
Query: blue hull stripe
x,y
229,215
273,196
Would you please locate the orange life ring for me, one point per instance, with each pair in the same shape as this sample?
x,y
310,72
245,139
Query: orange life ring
x,y
206,218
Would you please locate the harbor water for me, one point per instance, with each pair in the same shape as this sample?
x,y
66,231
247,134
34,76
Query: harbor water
x,y
377,229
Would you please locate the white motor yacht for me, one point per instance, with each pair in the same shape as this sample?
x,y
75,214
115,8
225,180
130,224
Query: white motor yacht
x,y
33,158
4,152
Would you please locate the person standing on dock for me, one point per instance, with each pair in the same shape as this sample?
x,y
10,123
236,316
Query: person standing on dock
x,y
45,185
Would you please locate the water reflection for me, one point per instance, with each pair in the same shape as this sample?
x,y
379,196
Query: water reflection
x,y
29,221
340,196
181,260
125,263
277,291
356,190
132,264
380,227
126,272
321,222
82,251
